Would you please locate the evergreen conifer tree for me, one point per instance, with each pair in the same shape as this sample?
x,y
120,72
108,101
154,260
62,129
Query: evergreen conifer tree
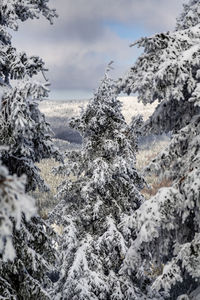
x,y
168,71
105,191
22,126
26,252
166,253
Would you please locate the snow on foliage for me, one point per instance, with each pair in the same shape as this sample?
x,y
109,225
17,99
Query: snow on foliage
x,y
166,252
13,11
181,156
26,252
168,71
13,202
22,127
105,191
190,15
28,276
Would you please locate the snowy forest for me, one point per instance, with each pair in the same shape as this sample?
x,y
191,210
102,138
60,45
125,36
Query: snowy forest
x,y
103,238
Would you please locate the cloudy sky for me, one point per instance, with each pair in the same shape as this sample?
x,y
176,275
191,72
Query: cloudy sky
x,y
88,34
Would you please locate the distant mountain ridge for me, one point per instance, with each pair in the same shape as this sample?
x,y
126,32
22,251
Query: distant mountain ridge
x,y
59,112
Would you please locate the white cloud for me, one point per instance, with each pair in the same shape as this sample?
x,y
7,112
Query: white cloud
x,y
80,44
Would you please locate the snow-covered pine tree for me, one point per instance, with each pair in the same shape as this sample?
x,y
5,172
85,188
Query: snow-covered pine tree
x,y
166,252
168,71
22,126
104,191
26,252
